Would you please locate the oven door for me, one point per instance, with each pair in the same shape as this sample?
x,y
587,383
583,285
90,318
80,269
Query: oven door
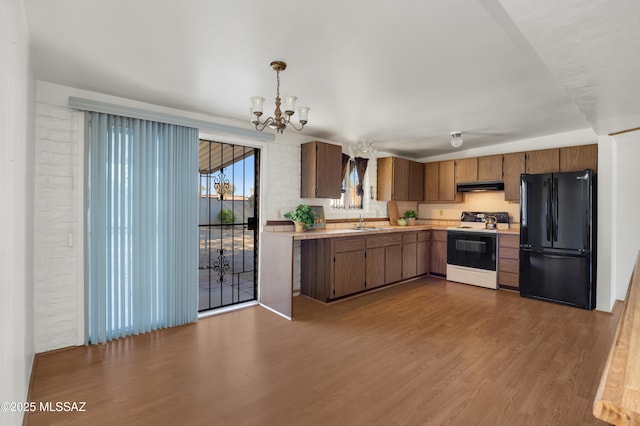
x,y
472,249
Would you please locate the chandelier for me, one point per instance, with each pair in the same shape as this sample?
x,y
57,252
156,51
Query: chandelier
x,y
279,121
364,147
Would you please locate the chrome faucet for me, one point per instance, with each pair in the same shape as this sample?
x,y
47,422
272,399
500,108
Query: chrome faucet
x,y
360,224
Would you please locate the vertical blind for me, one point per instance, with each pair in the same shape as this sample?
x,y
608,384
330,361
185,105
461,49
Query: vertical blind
x,y
142,226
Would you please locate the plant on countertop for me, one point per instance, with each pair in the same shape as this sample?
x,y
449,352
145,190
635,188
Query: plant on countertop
x,y
410,214
303,214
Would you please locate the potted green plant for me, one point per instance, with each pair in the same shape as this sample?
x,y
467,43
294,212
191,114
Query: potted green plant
x,y
303,217
411,216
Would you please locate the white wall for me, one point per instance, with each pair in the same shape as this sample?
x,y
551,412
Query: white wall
x,y
16,215
59,224
627,201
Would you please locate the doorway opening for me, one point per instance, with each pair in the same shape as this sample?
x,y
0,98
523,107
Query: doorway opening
x,y
229,200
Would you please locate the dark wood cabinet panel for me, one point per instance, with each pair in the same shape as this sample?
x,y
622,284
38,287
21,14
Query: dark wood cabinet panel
x,y
446,181
416,181
575,158
490,168
513,166
508,260
393,263
349,273
400,179
438,252
375,267
321,170
431,182
543,161
467,170
316,259
423,256
409,255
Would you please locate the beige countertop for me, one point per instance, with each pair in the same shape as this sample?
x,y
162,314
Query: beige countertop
x,y
348,232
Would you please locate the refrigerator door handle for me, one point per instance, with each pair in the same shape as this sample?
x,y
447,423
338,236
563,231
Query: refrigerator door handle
x,y
555,209
547,208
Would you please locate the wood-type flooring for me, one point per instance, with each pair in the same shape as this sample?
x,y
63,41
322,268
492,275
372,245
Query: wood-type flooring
x,y
427,352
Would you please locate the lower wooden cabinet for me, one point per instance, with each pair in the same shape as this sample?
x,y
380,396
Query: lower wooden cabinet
x,y
409,255
423,252
349,273
509,260
438,252
375,267
332,268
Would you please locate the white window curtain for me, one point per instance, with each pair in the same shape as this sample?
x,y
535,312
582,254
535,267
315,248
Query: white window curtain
x,y
142,226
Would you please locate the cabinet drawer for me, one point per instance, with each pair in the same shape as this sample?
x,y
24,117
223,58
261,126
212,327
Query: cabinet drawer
x,y
409,237
508,253
348,244
424,236
509,240
384,240
438,235
508,278
508,265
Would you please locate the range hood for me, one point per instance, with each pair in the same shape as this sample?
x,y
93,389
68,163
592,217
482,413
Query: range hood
x,y
480,186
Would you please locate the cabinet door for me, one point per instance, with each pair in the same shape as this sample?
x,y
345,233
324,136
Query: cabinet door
x,y
439,252
375,267
490,168
439,257
416,181
321,171
513,167
543,161
393,264
576,158
400,179
508,260
349,273
446,181
467,170
423,254
431,182
385,178
409,257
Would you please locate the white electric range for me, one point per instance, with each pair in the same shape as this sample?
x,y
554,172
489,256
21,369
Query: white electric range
x,y
472,249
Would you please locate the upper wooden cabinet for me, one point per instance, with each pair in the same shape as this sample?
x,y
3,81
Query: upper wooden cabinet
x,y
575,158
416,181
513,165
447,181
400,179
440,182
466,169
321,170
490,168
543,161
431,181
479,169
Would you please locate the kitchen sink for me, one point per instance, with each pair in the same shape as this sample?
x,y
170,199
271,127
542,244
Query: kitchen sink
x,y
372,228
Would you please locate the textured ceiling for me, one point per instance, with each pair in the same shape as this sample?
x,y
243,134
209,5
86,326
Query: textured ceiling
x,y
400,74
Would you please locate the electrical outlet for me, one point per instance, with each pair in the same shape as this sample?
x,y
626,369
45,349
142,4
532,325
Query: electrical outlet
x,y
441,212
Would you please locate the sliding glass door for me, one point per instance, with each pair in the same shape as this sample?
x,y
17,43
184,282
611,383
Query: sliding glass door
x,y
229,194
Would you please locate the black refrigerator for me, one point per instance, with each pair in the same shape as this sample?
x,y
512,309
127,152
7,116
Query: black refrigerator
x,y
557,237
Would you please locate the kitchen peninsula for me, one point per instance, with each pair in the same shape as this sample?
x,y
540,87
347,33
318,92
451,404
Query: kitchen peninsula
x,y
364,259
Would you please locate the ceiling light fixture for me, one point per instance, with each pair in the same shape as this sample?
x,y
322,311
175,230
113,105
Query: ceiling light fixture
x,y
279,121
364,147
456,139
